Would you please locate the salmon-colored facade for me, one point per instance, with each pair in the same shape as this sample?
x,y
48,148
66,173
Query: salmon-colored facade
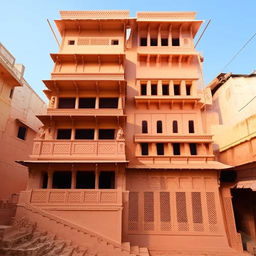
x,y
125,152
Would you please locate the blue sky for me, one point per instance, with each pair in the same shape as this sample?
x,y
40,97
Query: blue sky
x,y
25,32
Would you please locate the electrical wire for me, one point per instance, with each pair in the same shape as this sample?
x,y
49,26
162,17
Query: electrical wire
x,y
240,50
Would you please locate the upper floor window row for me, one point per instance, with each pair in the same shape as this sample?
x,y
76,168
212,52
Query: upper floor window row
x,y
93,41
163,42
88,103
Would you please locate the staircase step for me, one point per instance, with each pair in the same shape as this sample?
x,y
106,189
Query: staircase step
x,y
135,250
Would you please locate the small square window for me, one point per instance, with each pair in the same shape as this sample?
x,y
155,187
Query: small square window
x,y
114,42
153,42
22,132
175,42
143,41
71,42
164,42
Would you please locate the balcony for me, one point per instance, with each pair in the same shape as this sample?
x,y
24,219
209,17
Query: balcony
x,y
71,197
86,150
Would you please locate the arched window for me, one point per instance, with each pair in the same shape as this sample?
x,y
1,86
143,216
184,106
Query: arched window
x,y
159,127
144,127
175,126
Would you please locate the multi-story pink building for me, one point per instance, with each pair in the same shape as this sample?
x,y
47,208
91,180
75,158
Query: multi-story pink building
x,y
125,153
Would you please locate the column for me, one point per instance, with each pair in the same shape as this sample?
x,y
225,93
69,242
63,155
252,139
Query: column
x,y
50,179
186,149
171,89
96,177
73,179
77,103
234,238
170,36
159,88
183,88
148,88
97,102
120,102
159,36
148,36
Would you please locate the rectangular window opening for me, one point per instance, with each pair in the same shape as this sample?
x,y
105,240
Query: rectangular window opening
x,y
11,93
143,41
44,180
114,42
159,127
153,89
107,180
144,149
160,149
153,42
164,41
165,89
176,149
63,134
191,127
188,89
175,42
67,102
176,89
193,148
87,102
61,179
108,102
144,127
22,132
84,134
85,180
143,89
71,42
175,126
106,134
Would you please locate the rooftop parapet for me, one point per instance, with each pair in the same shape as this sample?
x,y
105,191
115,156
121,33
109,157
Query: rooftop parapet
x,y
93,15
8,61
165,16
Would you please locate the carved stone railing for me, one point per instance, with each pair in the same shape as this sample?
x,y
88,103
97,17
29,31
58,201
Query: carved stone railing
x,y
77,150
69,197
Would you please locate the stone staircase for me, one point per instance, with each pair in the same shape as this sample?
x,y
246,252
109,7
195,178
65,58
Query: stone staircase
x,y
24,238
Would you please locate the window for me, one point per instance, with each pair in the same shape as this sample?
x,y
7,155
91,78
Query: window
x,y
106,134
61,179
143,41
176,89
153,42
193,149
71,42
159,127
85,179
143,89
22,131
164,41
144,149
176,149
11,93
175,42
84,134
67,102
44,180
188,89
144,127
165,89
191,128
160,149
174,126
114,42
107,180
63,134
108,102
153,89
87,102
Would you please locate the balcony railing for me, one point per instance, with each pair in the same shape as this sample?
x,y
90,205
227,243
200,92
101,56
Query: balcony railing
x,y
79,150
71,197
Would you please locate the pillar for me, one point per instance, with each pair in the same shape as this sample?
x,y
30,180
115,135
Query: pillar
x,y
171,89
148,36
159,36
120,102
183,88
97,177
97,102
148,88
77,103
73,179
50,179
234,238
159,88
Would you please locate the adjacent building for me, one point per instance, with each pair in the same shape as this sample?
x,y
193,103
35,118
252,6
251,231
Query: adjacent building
x,y
126,153
19,105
